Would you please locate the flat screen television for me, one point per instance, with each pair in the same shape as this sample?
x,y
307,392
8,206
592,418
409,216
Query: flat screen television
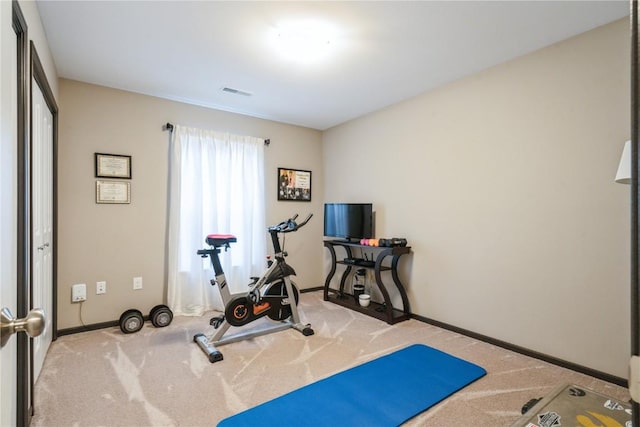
x,y
348,220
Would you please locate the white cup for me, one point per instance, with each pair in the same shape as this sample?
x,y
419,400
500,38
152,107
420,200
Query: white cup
x,y
364,299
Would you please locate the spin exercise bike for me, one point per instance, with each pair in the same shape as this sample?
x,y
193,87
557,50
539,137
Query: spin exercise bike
x,y
273,294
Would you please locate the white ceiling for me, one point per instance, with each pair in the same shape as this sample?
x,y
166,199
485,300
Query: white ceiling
x,y
382,53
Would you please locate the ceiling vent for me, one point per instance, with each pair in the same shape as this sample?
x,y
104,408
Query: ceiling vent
x,y
236,91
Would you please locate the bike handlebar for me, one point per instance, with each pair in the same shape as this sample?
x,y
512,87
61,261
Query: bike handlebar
x,y
290,225
303,223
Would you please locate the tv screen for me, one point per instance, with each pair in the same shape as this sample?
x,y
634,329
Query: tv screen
x,y
348,220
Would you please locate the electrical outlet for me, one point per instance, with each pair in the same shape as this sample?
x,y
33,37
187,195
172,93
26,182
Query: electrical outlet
x,y
101,288
137,283
79,292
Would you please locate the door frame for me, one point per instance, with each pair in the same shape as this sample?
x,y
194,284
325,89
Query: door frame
x,y
23,410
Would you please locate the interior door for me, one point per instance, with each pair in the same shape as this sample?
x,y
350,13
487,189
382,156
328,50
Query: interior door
x,y
13,355
41,219
8,209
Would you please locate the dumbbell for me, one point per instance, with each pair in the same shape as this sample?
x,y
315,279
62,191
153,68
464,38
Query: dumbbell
x,y
388,243
398,242
160,316
131,320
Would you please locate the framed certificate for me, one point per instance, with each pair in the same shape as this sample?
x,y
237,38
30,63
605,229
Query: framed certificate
x,y
113,166
113,192
294,184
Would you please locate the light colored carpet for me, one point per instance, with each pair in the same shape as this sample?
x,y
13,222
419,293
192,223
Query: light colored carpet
x,y
160,377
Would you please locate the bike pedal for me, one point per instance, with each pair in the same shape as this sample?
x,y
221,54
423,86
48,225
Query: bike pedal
x,y
216,321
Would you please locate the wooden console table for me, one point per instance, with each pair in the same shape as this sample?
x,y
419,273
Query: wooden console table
x,y
383,311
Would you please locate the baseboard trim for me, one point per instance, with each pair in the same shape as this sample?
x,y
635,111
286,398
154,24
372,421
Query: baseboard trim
x,y
527,352
87,328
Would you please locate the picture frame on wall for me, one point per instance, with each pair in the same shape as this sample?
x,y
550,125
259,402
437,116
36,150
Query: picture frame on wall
x,y
113,192
294,185
112,166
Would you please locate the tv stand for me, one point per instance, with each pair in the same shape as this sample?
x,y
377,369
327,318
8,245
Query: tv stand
x,y
383,311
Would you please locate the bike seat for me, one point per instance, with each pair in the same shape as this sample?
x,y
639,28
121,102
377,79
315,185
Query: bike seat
x,y
217,240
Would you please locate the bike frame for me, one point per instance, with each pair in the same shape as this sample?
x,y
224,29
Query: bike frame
x,y
208,344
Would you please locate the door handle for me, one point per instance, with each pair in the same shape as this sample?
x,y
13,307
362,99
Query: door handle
x,y
33,324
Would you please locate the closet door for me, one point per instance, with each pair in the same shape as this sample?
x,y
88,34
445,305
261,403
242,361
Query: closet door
x,y
42,219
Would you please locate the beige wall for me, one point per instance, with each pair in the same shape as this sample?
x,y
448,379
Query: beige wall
x,y
503,184
117,242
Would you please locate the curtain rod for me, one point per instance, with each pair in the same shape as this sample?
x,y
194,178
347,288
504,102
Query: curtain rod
x,y
169,126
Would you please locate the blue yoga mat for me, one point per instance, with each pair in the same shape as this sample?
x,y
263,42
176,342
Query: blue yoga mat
x,y
383,392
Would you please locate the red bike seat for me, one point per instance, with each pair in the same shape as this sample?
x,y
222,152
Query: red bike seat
x,y
216,240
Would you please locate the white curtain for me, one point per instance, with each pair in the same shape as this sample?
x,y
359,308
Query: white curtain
x,y
216,185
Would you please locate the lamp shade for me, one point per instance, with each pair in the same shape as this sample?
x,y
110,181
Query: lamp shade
x,y
623,176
